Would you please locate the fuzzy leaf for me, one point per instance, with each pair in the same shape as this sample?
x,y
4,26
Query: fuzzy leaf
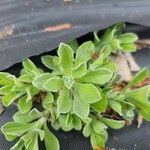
x,y
74,45
54,84
27,117
31,91
128,38
6,78
101,105
116,106
64,101
87,130
88,93
48,100
77,123
115,124
39,81
6,89
9,98
100,76
129,47
24,105
18,146
68,81
85,51
65,54
80,70
27,78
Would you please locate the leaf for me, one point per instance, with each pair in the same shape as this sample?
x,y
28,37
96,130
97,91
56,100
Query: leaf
x,y
54,84
40,80
27,117
77,123
101,105
65,54
18,146
87,130
6,89
139,77
116,106
50,62
74,45
15,129
97,141
27,78
6,78
88,93
85,51
80,70
110,66
80,107
64,101
48,100
128,38
115,124
24,105
29,66
129,47
100,76
9,98
63,123
98,126
31,91
115,45
68,81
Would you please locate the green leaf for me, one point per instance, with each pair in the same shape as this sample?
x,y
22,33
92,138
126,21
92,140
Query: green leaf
x,y
6,89
24,105
87,130
80,70
54,84
88,93
110,66
115,124
31,91
9,98
65,54
74,45
40,80
27,117
100,76
18,146
50,62
15,129
128,38
129,47
85,51
48,100
80,107
115,45
64,101
6,78
29,66
116,106
77,123
27,78
139,77
97,141
68,81
98,126
101,105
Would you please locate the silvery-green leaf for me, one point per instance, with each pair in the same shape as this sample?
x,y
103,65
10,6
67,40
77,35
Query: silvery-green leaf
x,y
128,38
40,80
6,89
65,54
115,124
85,51
115,45
100,76
54,84
9,98
74,45
80,70
77,123
101,105
27,78
64,101
129,47
50,140
27,117
50,62
48,100
6,78
31,91
88,93
24,105
116,106
68,81
87,130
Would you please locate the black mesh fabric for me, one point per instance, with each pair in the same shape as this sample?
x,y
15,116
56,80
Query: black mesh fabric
x,y
22,23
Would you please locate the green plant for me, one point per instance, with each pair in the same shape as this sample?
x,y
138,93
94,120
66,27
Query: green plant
x,y
81,91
